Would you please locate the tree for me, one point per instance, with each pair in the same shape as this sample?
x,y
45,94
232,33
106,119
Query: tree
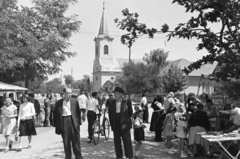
x,y
37,86
40,35
108,86
231,89
139,77
174,80
54,86
222,44
157,57
68,79
84,84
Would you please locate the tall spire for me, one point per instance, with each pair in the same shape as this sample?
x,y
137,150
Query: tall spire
x,y
103,26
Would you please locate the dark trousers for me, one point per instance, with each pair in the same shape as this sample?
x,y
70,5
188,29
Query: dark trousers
x,y
125,135
145,114
91,117
52,114
83,111
71,136
47,116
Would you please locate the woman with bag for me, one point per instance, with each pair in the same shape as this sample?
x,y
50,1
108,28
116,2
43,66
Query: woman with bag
x,y
26,123
8,114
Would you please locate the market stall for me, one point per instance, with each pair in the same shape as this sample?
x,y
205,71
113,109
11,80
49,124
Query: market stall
x,y
9,87
222,141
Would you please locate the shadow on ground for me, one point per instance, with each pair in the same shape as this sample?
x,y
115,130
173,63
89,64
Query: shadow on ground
x,y
105,150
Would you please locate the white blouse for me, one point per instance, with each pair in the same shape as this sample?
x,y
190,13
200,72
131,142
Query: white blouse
x,y
26,111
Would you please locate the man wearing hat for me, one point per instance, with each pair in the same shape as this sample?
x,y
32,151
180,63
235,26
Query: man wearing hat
x,y
120,113
67,119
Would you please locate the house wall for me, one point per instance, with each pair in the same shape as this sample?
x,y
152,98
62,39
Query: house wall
x,y
206,85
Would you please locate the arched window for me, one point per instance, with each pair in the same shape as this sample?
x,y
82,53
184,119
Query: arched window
x,y
105,49
96,78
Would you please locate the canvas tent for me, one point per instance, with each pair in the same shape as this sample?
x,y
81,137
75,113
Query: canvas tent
x,y
9,87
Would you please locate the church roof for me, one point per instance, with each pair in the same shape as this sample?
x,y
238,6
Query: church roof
x,y
182,63
115,64
103,30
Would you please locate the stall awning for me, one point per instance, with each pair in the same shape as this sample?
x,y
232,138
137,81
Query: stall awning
x,y
9,87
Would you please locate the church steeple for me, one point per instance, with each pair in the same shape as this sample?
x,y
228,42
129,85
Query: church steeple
x,y
103,42
103,30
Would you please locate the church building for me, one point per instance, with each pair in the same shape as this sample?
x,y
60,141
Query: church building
x,y
105,66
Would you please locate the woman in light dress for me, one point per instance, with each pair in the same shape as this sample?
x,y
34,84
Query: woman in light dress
x,y
25,121
9,114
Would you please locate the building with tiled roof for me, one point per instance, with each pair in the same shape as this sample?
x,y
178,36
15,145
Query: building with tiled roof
x,y
105,66
195,77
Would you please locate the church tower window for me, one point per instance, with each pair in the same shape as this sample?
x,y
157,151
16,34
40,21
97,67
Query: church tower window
x,y
105,49
96,50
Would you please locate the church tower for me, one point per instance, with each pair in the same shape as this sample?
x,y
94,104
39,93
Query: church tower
x,y
103,42
103,54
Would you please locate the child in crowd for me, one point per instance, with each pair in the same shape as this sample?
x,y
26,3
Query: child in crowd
x,y
138,129
41,117
181,131
168,126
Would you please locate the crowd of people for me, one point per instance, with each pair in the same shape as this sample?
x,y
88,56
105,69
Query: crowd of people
x,y
185,120
170,119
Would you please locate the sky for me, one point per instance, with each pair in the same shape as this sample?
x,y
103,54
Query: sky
x,y
154,13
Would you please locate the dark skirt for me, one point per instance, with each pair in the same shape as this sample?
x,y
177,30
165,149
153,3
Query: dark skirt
x,y
27,128
157,120
139,134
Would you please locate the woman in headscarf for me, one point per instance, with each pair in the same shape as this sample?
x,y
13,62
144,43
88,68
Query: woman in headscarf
x,y
158,117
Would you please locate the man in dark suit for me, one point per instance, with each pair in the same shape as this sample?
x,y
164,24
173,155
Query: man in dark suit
x,y
120,113
111,98
67,119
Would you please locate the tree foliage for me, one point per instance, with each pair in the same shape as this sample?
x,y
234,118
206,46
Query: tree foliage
x,y
231,89
222,44
139,77
68,79
37,86
84,84
174,80
54,86
108,87
36,38
157,57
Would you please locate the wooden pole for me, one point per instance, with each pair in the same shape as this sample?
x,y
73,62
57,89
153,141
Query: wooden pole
x,y
129,54
72,77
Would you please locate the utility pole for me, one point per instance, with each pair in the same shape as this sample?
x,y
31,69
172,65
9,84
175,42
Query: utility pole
x,y
72,77
129,54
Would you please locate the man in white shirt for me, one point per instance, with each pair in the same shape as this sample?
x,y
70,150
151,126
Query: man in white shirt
x,y
82,101
92,108
120,113
67,119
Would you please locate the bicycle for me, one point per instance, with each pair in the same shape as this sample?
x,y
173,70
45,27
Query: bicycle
x,y
103,129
